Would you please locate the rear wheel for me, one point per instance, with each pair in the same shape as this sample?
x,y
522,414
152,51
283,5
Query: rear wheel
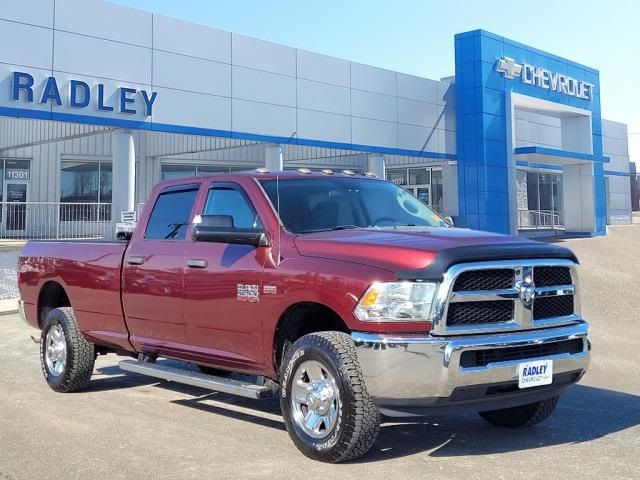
x,y
326,408
523,416
66,357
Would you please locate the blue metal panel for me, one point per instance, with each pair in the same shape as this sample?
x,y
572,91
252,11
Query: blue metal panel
x,y
561,153
482,123
546,166
616,174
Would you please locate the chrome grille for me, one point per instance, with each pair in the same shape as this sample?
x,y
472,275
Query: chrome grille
x,y
482,358
477,313
485,280
550,276
549,307
506,295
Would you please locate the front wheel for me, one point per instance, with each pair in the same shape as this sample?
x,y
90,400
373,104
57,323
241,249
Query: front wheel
x,y
326,408
523,416
67,358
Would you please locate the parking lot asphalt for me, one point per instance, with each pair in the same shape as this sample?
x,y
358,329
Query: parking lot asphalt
x,y
127,426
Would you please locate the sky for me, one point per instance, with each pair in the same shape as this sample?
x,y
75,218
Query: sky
x,y
416,36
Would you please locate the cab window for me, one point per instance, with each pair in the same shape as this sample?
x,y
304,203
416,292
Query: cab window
x,y
232,202
170,216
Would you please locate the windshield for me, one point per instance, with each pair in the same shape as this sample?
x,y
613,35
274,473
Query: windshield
x,y
322,204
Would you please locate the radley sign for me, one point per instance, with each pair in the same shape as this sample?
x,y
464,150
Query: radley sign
x,y
78,94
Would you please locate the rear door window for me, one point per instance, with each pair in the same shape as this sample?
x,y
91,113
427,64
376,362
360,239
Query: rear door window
x,y
170,216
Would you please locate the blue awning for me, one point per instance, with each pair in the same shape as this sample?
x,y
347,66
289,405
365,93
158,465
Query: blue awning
x,y
553,156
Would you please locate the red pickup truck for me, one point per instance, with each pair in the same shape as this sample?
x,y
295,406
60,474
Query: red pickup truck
x,y
342,294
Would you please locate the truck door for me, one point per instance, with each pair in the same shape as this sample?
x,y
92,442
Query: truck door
x,y
153,274
222,286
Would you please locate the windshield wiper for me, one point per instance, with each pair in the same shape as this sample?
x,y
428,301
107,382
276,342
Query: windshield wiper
x,y
346,227
174,232
332,229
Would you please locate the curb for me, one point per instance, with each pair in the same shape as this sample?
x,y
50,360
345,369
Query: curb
x,y
12,245
8,306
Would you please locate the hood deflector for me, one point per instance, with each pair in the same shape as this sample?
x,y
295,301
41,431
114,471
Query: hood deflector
x,y
481,253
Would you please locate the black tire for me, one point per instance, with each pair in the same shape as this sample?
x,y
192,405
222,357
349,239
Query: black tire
x,y
358,420
216,372
523,416
80,353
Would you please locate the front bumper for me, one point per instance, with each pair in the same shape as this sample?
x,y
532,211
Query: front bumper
x,y
414,372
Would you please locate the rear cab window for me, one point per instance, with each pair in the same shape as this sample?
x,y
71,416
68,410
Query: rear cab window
x,y
170,216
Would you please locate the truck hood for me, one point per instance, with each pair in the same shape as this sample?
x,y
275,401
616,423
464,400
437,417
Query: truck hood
x,y
412,249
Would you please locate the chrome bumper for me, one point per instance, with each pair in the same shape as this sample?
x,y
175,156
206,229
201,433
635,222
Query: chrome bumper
x,y
426,370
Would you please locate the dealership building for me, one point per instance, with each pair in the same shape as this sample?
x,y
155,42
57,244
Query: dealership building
x,y
98,102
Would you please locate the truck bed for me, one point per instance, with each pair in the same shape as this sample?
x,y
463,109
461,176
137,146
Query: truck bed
x,y
90,273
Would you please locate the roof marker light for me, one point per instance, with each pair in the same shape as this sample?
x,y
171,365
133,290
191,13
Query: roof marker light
x,y
261,170
304,171
370,174
327,171
348,172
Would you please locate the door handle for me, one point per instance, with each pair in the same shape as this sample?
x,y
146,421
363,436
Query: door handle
x,y
196,263
135,260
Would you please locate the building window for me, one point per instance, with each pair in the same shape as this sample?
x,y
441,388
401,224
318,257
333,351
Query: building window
x,y
423,182
171,171
85,191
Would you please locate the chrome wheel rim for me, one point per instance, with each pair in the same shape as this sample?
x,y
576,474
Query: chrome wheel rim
x,y
55,354
315,400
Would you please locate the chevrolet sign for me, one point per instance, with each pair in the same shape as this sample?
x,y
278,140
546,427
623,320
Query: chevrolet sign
x,y
543,78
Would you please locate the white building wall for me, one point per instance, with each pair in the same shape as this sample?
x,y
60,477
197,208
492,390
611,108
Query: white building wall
x,y
536,129
615,146
211,79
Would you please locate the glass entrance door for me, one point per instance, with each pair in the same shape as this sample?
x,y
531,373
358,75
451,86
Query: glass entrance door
x,y
540,200
423,182
15,218
14,196
423,194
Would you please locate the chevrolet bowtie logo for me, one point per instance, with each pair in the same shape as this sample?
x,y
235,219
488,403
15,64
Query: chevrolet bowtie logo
x,y
509,68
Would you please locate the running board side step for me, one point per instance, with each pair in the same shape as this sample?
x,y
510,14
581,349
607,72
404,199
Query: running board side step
x,y
197,379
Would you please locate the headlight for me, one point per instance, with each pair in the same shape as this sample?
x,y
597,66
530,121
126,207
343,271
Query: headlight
x,y
396,302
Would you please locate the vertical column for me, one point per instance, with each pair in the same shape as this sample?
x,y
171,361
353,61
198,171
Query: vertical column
x,y
450,189
579,198
123,155
273,160
376,164
512,172
485,175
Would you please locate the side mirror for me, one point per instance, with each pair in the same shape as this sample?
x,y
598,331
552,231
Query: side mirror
x,y
220,229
